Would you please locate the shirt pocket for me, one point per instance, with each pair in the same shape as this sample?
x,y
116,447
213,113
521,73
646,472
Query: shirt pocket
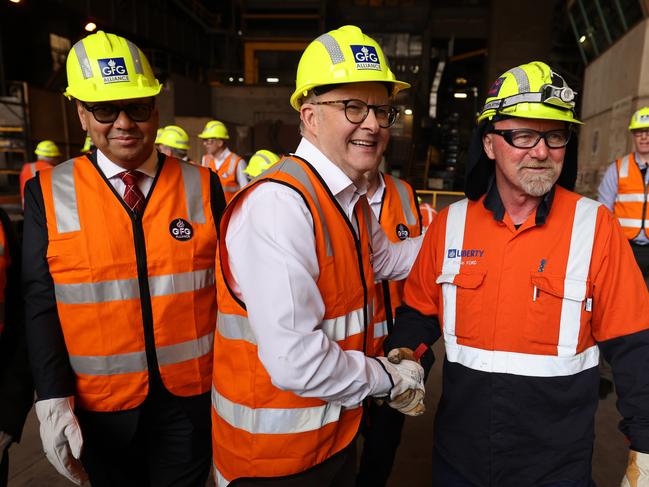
x,y
462,296
556,308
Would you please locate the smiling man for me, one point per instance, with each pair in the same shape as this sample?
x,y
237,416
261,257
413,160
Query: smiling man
x,y
528,282
299,252
118,271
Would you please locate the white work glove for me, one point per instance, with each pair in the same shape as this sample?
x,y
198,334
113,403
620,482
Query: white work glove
x,y
5,441
407,393
637,470
61,437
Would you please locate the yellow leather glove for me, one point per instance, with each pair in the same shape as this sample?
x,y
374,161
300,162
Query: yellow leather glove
x,y
637,470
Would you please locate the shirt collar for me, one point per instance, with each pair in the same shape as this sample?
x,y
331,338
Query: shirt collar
x,y
110,169
222,156
336,180
494,203
640,162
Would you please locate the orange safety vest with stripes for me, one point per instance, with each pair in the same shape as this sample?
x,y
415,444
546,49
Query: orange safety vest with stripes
x,y
532,323
427,214
108,282
227,172
5,260
630,206
399,219
259,430
28,171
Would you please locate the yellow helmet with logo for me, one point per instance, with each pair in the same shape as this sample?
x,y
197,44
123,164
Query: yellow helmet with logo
x,y
175,137
47,148
214,130
640,119
344,55
260,161
106,67
530,90
87,145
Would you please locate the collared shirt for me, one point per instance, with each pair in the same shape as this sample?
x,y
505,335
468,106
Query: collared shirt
x,y
272,256
376,200
494,203
607,192
112,171
242,178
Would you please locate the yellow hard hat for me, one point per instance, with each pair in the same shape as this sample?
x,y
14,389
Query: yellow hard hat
x,y
530,90
105,67
87,145
47,148
175,137
260,161
158,134
214,130
344,55
640,119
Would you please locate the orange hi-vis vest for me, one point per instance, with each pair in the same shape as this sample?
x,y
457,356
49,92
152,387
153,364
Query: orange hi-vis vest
x,y
28,171
115,274
4,266
400,220
427,214
259,430
630,206
227,173
514,302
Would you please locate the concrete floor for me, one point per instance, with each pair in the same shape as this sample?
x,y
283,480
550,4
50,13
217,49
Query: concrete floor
x,y
30,468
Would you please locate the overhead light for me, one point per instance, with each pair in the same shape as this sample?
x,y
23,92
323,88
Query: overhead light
x,y
272,80
90,27
240,80
460,95
582,39
230,79
14,1
460,81
408,111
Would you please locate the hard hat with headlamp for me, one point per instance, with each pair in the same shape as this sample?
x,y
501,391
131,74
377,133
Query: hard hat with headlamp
x,y
344,55
107,67
531,90
640,119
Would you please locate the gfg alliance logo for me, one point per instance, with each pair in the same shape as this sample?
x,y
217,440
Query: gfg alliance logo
x,y
181,229
366,57
113,70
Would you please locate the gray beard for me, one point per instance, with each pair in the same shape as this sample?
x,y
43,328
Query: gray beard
x,y
537,185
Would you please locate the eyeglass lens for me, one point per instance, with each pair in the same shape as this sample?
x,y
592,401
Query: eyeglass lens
x,y
108,113
356,111
528,138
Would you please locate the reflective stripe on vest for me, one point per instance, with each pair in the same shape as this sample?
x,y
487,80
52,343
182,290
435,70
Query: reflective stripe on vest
x,y
567,361
125,363
219,479
630,200
404,197
65,198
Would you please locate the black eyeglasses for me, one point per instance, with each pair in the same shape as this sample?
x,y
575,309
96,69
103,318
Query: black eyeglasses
x,y
640,132
356,111
528,138
108,112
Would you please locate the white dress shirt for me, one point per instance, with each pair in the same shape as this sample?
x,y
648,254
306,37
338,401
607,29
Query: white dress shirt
x,y
272,256
377,198
112,170
242,177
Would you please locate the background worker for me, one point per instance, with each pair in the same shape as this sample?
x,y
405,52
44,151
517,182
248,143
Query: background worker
x,y
295,284
624,190
259,162
157,138
427,212
393,203
88,146
16,388
527,282
219,158
48,154
174,142
112,265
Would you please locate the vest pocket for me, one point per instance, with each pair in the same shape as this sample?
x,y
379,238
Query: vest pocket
x,y
555,309
462,295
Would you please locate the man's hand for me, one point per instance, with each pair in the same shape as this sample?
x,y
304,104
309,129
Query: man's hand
x,y
61,437
637,470
407,393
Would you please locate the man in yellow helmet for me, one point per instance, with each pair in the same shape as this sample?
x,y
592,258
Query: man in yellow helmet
x,y
219,158
48,154
118,272
174,142
88,146
299,252
624,189
528,283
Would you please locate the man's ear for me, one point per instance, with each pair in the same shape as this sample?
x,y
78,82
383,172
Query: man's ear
x,y
308,117
487,145
82,115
